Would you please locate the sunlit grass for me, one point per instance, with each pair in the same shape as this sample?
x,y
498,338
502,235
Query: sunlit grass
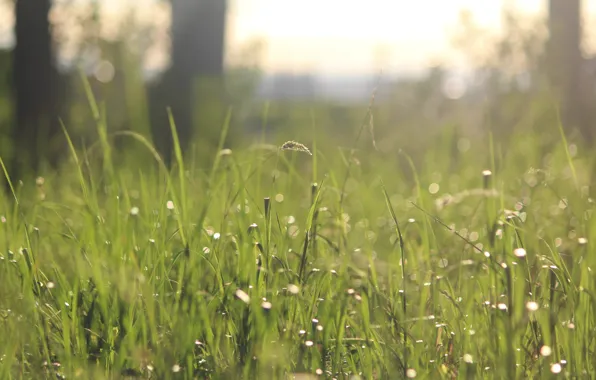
x,y
472,263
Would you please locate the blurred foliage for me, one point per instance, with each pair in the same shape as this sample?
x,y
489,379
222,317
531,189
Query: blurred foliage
x,y
508,90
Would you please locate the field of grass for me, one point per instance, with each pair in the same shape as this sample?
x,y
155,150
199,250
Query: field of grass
x,y
304,261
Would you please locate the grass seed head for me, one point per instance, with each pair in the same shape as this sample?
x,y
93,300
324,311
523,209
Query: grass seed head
x,y
295,146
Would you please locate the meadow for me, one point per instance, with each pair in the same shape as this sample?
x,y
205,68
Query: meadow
x,y
302,259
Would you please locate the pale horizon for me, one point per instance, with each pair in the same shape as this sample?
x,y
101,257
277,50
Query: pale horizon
x,y
341,37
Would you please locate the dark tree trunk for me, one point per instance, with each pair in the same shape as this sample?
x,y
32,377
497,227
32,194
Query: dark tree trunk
x,y
565,61
197,60
36,83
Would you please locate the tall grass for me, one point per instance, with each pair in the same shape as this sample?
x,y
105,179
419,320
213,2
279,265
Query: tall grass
x,y
383,268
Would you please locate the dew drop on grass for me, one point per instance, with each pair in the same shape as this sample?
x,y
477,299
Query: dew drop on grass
x,y
293,289
443,263
411,373
556,368
433,188
545,351
532,306
473,236
519,252
293,231
242,296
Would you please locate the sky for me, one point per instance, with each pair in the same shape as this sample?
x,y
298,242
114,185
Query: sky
x,y
343,36
356,36
347,36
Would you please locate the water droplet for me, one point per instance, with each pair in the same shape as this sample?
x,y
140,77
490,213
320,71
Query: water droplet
x,y
532,306
545,351
411,373
556,368
443,263
293,231
519,252
433,188
293,289
242,296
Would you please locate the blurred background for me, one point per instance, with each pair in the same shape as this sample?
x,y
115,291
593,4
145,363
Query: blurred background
x,y
289,70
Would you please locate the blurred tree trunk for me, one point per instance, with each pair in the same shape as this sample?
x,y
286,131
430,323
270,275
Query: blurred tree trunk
x,y
192,83
36,83
565,62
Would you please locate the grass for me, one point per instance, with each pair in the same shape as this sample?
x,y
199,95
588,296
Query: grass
x,y
303,261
